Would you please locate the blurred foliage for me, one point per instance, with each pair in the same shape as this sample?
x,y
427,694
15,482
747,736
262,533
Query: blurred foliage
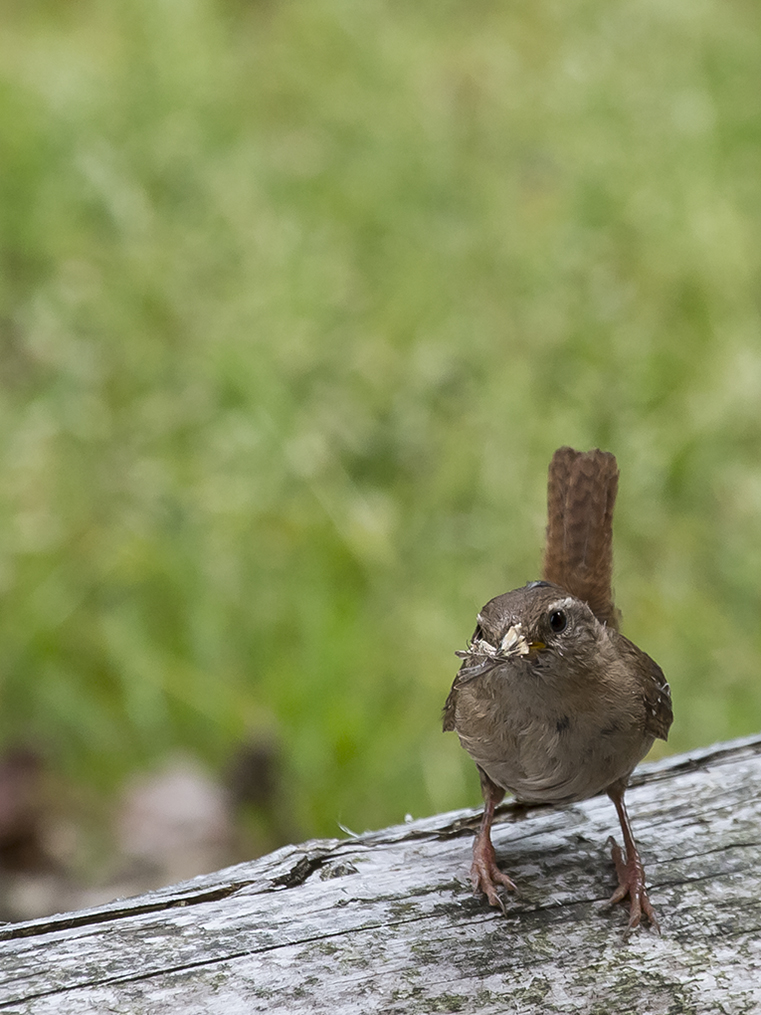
x,y
296,301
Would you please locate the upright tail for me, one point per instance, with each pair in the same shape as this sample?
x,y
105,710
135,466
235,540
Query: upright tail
x,y
578,555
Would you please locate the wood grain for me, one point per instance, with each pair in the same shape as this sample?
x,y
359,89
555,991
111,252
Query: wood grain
x,y
386,922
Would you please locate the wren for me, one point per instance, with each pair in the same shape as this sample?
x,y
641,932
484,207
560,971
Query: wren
x,y
551,701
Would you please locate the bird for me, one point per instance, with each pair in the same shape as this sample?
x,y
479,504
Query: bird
x,y
551,701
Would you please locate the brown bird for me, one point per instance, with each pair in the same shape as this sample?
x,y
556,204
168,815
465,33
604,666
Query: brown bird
x,y
551,702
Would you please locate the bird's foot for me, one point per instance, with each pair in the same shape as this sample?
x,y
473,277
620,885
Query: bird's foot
x,y
631,882
486,876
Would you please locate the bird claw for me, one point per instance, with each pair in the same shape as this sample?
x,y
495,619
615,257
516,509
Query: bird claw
x,y
485,875
631,882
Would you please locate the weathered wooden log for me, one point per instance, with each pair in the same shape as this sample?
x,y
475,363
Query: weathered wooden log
x,y
386,922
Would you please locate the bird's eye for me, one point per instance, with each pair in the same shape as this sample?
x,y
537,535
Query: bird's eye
x,y
558,621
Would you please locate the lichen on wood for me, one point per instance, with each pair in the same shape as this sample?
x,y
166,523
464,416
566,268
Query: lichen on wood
x,y
386,922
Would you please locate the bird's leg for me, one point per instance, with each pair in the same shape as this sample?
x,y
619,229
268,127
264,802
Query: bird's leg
x,y
631,873
485,875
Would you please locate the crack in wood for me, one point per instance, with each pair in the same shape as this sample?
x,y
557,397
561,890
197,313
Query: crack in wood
x,y
389,924
66,921
303,869
228,956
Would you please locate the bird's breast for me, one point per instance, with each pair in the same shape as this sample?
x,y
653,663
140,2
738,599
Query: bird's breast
x,y
547,742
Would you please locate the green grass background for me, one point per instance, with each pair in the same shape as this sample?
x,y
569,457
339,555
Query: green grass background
x,y
297,297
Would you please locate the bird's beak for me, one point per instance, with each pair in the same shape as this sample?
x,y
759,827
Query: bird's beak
x,y
514,642
483,656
